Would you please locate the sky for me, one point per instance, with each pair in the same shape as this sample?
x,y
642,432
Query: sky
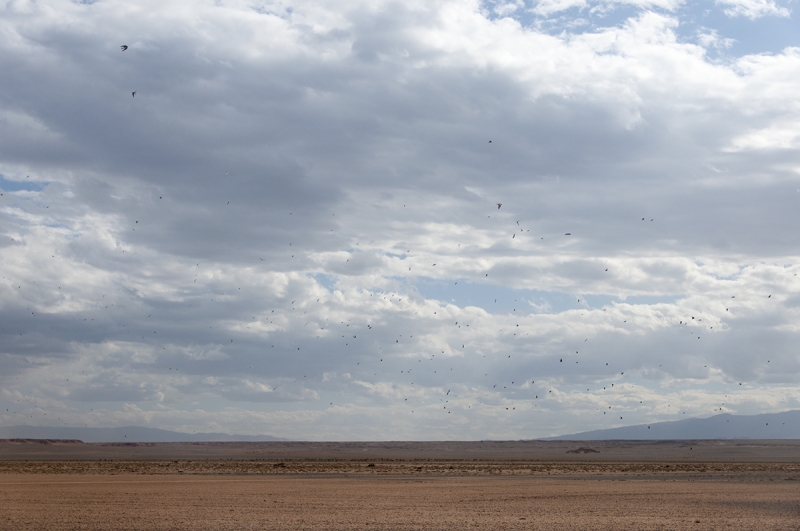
x,y
438,220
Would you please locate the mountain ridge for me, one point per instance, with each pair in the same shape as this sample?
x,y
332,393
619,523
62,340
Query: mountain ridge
x,y
783,425
123,434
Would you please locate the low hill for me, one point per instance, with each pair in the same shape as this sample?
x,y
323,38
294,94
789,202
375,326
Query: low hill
x,y
124,434
785,425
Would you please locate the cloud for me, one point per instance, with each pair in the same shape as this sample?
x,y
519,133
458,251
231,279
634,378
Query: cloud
x,y
550,7
293,227
753,9
712,39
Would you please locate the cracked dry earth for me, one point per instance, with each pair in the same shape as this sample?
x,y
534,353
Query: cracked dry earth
x,y
237,495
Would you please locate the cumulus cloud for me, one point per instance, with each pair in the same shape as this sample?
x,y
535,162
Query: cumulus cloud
x,y
753,9
293,227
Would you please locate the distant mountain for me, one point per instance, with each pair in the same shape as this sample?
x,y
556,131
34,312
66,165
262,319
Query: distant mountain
x,y
785,425
125,434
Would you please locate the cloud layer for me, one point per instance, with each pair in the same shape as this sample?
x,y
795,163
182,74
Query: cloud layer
x,y
433,220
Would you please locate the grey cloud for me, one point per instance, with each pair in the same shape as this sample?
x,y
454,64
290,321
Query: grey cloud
x,y
264,151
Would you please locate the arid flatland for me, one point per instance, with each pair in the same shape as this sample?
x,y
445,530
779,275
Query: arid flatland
x,y
153,487
731,451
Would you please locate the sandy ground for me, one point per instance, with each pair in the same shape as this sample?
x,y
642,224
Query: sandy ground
x,y
400,486
94,502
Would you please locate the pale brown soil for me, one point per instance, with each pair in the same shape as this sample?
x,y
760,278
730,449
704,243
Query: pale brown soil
x,y
400,486
174,502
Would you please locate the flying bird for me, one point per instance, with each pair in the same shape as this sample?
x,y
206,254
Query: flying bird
x,y
123,47
499,205
133,94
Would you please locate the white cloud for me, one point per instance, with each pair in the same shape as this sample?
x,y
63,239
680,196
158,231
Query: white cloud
x,y
753,9
778,136
550,7
710,38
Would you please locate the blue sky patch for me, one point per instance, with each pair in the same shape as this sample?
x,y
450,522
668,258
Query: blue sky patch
x,y
737,35
16,186
326,281
500,300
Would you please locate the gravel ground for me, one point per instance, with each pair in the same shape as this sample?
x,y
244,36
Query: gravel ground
x,y
396,496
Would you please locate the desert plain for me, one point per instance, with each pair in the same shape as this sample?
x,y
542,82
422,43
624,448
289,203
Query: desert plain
x,y
69,485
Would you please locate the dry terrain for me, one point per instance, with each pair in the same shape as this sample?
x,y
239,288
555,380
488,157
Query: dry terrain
x,y
398,486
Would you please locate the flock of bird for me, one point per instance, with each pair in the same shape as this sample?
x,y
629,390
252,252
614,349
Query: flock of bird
x,y
411,366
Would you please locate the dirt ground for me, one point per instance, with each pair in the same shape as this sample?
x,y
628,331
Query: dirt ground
x,y
400,486
234,495
300,502
746,451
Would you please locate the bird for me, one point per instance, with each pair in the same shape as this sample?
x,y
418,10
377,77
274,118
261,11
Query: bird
x,y
499,205
123,47
133,94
